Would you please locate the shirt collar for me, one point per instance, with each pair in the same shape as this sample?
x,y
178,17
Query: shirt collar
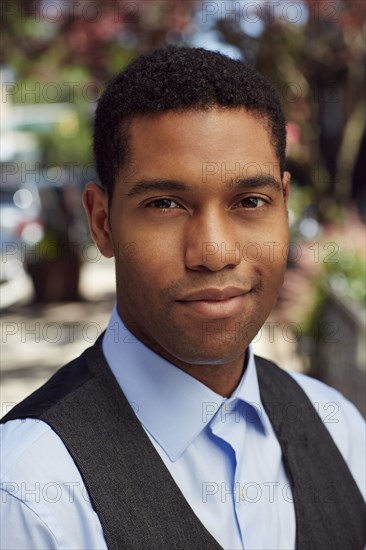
x,y
247,392
173,418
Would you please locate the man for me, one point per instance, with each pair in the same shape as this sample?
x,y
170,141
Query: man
x,y
168,432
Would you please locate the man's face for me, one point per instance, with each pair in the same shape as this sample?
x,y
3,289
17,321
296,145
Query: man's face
x,y
197,229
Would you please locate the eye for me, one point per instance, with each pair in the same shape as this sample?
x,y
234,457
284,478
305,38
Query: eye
x,y
252,202
163,204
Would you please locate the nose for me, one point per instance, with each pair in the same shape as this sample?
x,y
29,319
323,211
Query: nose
x,y
211,242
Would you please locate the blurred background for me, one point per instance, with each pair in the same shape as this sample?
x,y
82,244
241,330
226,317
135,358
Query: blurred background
x,y
57,291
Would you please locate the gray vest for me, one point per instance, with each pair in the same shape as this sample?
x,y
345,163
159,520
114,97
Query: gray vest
x,y
138,502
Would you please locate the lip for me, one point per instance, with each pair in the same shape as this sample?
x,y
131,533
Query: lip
x,y
218,294
216,303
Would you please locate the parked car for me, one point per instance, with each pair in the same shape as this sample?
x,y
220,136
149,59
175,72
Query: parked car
x,y
45,223
20,211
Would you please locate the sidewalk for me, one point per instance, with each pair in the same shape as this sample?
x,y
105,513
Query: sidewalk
x,y
37,340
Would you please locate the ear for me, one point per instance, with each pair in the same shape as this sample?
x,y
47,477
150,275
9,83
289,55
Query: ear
x,y
286,186
95,201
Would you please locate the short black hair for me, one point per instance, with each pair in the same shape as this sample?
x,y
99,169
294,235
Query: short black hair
x,y
177,78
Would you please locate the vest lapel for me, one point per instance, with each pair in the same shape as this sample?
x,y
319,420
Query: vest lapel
x,y
330,510
131,497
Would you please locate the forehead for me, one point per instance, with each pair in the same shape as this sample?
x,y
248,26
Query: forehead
x,y
188,141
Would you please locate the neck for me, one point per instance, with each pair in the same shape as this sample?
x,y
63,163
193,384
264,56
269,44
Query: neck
x,y
221,378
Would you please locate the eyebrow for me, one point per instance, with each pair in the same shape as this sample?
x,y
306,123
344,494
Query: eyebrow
x,y
144,186
255,181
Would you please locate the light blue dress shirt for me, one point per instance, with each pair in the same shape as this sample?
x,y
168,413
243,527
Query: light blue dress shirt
x,y
221,452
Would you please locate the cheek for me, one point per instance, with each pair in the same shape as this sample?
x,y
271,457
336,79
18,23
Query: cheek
x,y
149,244
271,267
146,259
267,252
141,272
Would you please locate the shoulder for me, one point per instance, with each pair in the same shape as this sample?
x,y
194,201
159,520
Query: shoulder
x,y
39,475
64,381
343,421
331,405
23,441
